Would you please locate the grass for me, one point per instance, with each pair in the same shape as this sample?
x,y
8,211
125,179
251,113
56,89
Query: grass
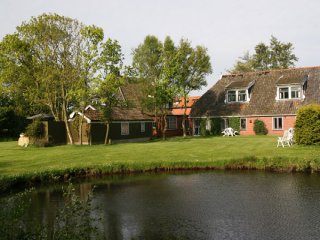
x,y
28,165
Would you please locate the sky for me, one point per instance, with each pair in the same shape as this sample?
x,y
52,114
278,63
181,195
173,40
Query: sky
x,y
226,28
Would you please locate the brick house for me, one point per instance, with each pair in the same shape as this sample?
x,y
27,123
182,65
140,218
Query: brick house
x,y
175,116
271,96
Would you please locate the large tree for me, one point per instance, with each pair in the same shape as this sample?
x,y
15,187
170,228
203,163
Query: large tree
x,y
276,55
153,63
192,65
52,61
110,77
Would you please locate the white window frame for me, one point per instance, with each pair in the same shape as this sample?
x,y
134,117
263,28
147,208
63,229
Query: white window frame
x,y
125,128
245,124
245,95
172,123
224,123
237,95
290,90
143,127
229,95
274,127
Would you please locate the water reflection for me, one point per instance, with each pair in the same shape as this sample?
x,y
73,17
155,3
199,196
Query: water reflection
x,y
210,205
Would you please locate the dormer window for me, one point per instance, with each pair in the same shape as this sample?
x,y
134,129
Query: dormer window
x,y
295,92
284,93
291,87
239,91
242,96
232,96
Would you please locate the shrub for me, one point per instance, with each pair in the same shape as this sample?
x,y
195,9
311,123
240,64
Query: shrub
x,y
234,122
36,132
216,126
307,126
259,127
203,130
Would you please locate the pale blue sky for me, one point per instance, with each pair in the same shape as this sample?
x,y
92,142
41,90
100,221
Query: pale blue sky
x,y
227,28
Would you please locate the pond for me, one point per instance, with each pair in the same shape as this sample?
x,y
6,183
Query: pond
x,y
197,205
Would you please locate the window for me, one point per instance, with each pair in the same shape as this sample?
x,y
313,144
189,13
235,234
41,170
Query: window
x,y
295,92
224,123
237,96
172,122
283,93
242,96
243,123
277,123
290,92
231,96
208,124
124,128
143,127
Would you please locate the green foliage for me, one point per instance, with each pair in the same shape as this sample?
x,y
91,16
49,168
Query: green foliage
x,y
13,219
153,65
234,122
307,126
203,129
216,126
73,221
259,127
35,129
277,55
53,61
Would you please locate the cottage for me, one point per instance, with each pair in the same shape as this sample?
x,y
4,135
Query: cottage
x,y
271,96
128,123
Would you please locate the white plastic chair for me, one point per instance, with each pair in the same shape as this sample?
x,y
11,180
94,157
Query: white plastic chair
x,y
287,138
229,132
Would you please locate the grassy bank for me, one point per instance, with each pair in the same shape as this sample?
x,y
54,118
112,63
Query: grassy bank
x,y
29,165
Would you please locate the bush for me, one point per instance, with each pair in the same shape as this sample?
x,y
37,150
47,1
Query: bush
x,y
307,126
36,132
203,130
259,127
234,122
216,126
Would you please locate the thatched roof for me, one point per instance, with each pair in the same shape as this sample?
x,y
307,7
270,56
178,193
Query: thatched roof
x,y
128,93
263,99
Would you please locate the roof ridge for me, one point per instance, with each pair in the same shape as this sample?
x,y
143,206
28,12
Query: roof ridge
x,y
267,71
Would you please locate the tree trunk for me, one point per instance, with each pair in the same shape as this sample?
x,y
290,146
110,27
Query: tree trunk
x,y
164,127
184,116
80,128
65,117
67,125
107,133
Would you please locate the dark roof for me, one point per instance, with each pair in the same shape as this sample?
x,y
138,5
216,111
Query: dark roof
x,y
129,93
129,114
263,99
246,83
297,78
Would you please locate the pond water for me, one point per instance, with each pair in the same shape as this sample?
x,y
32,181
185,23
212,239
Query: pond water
x,y
201,205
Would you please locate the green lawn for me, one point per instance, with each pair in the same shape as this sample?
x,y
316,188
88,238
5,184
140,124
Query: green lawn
x,y
257,152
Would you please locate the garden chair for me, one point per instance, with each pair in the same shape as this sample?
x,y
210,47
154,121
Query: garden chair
x,y
286,139
229,132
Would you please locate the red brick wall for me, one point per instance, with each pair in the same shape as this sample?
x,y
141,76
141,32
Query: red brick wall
x,y
287,122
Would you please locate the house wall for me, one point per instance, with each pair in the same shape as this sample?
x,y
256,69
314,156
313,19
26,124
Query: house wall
x,y
98,131
178,131
288,122
55,132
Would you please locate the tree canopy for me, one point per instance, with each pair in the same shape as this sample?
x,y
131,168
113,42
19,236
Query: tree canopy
x,y
52,61
276,55
169,71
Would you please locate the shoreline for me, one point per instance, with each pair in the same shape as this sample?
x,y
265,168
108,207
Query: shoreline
x,y
50,177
